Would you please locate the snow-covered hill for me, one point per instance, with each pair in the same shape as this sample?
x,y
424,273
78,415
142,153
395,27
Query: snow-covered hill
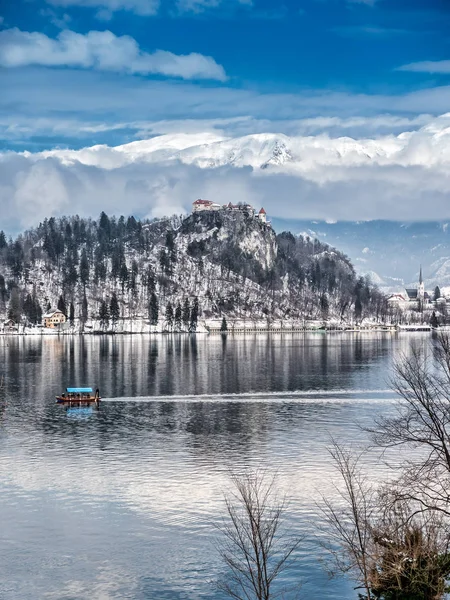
x,y
390,252
227,263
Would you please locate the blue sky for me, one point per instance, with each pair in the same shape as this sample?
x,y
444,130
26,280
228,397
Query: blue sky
x,y
362,86
256,48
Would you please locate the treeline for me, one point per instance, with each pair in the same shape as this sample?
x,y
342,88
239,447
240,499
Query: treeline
x,y
182,317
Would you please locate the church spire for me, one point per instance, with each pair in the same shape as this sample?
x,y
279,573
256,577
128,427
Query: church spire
x,y
420,275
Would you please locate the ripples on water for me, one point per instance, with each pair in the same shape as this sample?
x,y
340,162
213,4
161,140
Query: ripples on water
x,y
118,503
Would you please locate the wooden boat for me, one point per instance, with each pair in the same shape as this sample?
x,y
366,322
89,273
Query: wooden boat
x,y
79,397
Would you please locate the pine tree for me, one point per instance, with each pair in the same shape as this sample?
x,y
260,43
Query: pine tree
x,y
153,309
123,275
224,325
37,310
72,314
62,305
324,306
103,315
84,310
178,317
186,314
434,320
134,275
15,308
151,286
194,316
3,290
28,308
114,309
169,315
437,292
3,242
84,268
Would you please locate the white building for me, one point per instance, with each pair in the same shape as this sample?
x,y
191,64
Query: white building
x,y
200,205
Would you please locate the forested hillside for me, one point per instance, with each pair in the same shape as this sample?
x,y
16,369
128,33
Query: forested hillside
x,y
172,273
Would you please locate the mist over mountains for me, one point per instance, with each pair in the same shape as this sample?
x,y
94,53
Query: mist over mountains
x,y
299,176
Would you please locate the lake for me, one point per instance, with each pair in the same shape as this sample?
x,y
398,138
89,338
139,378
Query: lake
x,y
121,502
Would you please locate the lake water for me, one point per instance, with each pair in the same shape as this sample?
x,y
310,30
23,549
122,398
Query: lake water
x,y
120,503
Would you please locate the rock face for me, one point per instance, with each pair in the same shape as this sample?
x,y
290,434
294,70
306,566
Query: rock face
x,y
173,272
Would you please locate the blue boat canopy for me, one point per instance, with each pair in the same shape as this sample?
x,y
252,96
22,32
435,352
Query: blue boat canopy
x,y
79,390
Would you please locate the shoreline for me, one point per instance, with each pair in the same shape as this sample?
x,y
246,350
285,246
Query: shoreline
x,y
231,331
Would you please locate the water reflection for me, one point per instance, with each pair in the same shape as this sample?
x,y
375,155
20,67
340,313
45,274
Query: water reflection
x,y
117,503
143,366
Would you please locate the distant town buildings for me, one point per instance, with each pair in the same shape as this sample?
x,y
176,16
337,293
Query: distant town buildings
x,y
417,300
207,205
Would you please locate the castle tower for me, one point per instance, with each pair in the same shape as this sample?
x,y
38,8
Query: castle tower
x,y
262,215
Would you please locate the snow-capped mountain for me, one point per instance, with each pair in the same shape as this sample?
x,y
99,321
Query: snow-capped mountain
x,y
259,151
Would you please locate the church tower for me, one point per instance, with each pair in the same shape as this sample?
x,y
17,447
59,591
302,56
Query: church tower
x,y
421,288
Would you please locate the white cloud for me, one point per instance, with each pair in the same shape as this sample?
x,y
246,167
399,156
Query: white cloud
x,y
390,177
139,7
101,50
427,66
198,6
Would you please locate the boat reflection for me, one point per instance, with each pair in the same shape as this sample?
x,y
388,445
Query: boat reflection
x,y
79,412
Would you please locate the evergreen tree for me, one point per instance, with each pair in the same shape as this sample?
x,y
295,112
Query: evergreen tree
x,y
434,320
178,317
186,314
224,325
28,308
194,316
117,260
123,275
104,230
114,309
72,314
169,315
153,309
62,305
324,306
15,259
134,275
84,310
84,268
3,242
70,271
49,307
437,292
151,286
3,290
15,308
100,271
103,315
38,310
358,308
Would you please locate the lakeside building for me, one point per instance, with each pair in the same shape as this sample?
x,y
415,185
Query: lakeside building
x,y
53,319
